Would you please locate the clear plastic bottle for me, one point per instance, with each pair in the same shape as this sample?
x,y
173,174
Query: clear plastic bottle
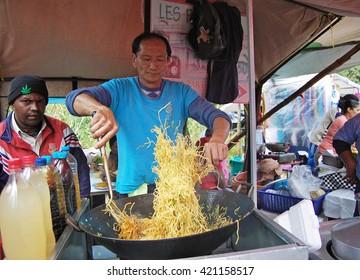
x,y
36,175
57,197
67,180
74,167
21,217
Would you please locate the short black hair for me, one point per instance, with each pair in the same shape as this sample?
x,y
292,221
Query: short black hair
x,y
150,35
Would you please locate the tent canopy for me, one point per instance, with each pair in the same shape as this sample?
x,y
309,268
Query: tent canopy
x,y
91,39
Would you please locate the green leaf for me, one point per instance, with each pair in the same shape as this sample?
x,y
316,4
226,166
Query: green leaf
x,y
26,90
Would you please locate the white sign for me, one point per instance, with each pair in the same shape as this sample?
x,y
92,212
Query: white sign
x,y
172,18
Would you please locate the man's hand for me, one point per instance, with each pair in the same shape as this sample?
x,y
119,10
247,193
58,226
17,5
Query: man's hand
x,y
103,126
350,164
350,176
216,151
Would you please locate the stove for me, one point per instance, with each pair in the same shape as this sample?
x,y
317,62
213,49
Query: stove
x,y
260,238
280,157
339,239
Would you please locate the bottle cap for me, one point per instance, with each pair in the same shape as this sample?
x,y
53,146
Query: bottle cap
x,y
15,163
65,149
55,154
40,161
62,154
47,158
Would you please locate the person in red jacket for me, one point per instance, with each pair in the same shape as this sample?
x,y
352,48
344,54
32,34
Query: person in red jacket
x,y
28,131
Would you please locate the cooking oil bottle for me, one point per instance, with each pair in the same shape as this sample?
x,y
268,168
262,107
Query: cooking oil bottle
x,y
57,197
74,167
67,180
21,217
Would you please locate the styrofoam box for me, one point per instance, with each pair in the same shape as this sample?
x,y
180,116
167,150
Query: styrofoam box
x,y
339,204
301,221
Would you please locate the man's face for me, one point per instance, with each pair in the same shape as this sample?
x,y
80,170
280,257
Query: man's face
x,y
29,110
151,62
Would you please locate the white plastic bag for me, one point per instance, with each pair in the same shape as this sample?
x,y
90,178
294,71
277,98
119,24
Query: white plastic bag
x,y
301,182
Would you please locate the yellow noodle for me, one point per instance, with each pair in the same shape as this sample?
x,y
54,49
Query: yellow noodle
x,y
176,207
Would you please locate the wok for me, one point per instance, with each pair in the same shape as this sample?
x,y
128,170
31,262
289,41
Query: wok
x,y
278,147
99,225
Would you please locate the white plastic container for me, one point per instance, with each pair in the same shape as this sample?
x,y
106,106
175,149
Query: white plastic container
x,y
301,221
339,204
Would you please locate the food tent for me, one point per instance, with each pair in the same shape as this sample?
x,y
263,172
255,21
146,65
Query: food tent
x,y
73,44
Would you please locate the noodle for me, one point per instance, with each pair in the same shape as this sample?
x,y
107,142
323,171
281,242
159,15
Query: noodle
x,y
176,207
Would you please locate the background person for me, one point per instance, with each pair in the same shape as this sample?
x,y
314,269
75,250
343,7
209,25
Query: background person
x,y
28,131
318,133
134,105
350,106
348,135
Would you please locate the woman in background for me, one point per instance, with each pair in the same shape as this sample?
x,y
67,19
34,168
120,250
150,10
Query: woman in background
x,y
350,106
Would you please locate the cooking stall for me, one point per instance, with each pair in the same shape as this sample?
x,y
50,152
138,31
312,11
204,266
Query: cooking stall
x,y
260,238
255,237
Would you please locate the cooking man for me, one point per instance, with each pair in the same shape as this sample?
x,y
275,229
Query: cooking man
x,y
131,107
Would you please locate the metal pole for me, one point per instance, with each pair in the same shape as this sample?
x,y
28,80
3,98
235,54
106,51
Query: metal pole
x,y
252,102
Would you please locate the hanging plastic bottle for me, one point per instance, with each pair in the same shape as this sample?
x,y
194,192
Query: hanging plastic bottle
x,y
74,167
21,217
57,197
35,173
67,180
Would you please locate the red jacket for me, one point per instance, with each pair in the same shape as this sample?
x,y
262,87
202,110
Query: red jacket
x,y
55,135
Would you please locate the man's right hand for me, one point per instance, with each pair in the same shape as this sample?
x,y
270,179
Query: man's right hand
x,y
103,125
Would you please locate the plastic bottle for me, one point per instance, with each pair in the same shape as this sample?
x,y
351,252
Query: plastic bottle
x,y
67,180
36,175
57,197
74,167
21,217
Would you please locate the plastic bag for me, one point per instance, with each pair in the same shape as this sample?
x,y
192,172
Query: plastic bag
x,y
301,182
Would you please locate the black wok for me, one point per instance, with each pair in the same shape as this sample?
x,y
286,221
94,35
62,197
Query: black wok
x,y
278,147
100,226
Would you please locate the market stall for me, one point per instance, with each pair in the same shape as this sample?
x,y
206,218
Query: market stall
x,y
70,52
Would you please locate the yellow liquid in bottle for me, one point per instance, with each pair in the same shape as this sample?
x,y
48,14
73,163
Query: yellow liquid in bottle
x,y
22,223
77,190
38,180
55,175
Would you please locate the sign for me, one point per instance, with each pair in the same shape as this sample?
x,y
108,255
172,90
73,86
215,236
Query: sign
x,y
172,18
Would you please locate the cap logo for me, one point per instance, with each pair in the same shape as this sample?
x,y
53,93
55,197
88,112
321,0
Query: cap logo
x,y
25,89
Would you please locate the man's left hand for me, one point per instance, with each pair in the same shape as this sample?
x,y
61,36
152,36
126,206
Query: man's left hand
x,y
216,151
